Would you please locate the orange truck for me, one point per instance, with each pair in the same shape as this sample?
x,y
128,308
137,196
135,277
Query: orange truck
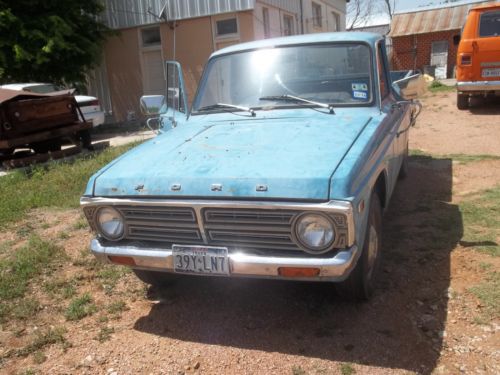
x,y
478,57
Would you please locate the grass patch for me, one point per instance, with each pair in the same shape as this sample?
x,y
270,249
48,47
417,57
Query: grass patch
x,y
488,293
56,185
482,222
33,259
65,288
80,307
437,86
43,339
347,369
81,223
105,334
110,275
39,357
25,309
117,307
297,370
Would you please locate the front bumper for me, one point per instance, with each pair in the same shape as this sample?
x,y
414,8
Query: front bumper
x,y
468,86
336,268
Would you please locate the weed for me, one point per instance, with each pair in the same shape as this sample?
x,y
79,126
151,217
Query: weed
x,y
485,266
437,86
117,307
105,334
482,222
347,369
63,235
39,357
488,293
44,339
109,276
57,184
28,262
80,307
65,288
25,309
81,223
297,370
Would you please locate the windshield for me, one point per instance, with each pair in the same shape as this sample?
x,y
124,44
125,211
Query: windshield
x,y
42,89
337,74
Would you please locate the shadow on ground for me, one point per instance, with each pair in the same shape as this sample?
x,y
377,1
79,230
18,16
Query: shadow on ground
x,y
485,106
399,328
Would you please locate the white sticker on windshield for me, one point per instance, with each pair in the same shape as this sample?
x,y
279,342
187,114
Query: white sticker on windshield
x,y
360,94
359,87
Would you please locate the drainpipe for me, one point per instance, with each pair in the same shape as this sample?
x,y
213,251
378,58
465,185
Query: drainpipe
x,y
301,16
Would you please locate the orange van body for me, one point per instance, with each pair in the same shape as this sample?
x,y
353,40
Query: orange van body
x,y
478,57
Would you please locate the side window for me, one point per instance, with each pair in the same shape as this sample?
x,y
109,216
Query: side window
x,y
384,86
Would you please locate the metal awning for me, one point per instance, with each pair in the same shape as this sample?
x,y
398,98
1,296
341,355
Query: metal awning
x,y
432,19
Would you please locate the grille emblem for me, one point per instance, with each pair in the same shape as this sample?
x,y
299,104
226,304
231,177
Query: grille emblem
x,y
175,187
261,188
216,187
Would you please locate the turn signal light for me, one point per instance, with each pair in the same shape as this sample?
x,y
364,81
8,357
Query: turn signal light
x,y
465,60
124,261
298,271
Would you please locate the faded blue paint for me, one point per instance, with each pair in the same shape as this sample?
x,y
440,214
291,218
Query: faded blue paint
x,y
294,152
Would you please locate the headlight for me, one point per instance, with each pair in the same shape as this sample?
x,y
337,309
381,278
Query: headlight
x,y
315,232
110,223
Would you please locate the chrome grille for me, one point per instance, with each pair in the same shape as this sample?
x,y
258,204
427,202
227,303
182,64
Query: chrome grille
x,y
256,229
252,229
166,224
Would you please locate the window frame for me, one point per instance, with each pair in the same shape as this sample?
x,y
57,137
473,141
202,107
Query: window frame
x,y
479,23
292,26
150,45
317,18
266,22
228,35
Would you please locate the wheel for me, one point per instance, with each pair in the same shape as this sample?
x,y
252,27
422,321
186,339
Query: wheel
x,y
86,139
359,285
403,171
155,278
462,101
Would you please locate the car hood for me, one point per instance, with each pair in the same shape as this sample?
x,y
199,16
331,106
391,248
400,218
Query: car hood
x,y
285,158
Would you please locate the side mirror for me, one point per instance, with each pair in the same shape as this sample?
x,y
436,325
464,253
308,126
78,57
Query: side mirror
x,y
410,87
153,105
176,92
456,39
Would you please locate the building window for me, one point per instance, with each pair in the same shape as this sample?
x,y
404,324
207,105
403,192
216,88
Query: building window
x,y
336,21
317,15
227,27
151,36
265,21
287,25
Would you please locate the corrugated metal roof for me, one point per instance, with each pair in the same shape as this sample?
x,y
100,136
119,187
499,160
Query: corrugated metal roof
x,y
292,6
121,14
432,19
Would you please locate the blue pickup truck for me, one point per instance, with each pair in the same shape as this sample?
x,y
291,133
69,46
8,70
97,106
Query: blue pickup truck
x,y
281,168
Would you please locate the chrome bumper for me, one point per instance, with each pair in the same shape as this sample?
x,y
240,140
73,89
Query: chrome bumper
x,y
478,86
336,268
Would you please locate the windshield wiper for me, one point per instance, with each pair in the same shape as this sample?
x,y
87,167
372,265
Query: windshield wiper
x,y
224,105
292,98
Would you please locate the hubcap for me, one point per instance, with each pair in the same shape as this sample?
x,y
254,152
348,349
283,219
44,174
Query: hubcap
x,y
372,250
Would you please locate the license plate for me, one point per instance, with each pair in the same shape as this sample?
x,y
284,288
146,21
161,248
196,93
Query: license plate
x,y
494,72
200,260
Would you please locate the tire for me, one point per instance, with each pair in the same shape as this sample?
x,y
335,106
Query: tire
x,y
462,101
360,284
403,171
155,278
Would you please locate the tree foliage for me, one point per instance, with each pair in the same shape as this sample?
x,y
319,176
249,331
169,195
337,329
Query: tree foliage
x,y
49,40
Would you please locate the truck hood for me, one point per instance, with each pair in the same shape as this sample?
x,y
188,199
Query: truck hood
x,y
285,158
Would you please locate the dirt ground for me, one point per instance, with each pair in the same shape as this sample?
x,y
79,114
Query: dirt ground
x,y
423,318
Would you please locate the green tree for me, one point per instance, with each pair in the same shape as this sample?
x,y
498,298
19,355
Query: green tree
x,y
49,40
